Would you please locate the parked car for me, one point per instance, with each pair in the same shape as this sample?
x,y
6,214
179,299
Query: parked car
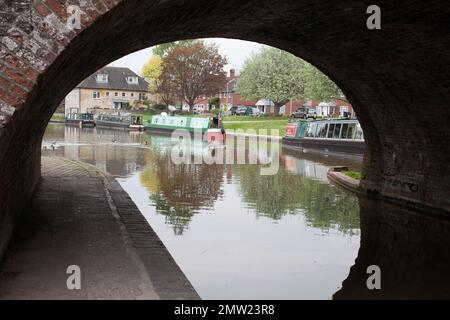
x,y
243,111
248,111
232,110
304,113
256,112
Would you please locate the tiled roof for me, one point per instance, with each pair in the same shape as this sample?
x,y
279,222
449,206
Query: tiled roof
x,y
116,80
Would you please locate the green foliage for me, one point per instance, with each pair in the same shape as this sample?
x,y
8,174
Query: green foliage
x,y
275,196
319,86
280,76
159,107
215,112
161,50
272,74
151,71
214,102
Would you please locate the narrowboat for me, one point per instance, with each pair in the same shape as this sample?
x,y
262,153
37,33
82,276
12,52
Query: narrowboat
x,y
328,136
80,119
125,121
211,127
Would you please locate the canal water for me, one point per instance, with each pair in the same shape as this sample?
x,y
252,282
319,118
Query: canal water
x,y
235,233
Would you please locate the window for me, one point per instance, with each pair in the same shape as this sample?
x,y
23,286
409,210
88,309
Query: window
x,y
132,80
343,109
322,129
116,94
123,94
359,133
132,94
103,78
96,95
107,93
142,97
330,131
348,130
311,131
337,130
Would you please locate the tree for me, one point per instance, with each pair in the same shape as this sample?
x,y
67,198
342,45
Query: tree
x,y
214,102
151,71
161,50
159,83
272,74
280,76
319,86
194,69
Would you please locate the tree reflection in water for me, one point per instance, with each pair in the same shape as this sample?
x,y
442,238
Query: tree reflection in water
x,y
180,191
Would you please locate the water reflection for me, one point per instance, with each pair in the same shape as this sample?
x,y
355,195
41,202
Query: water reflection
x,y
238,234
412,250
234,232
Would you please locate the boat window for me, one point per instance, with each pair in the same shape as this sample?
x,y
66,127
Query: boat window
x,y
322,130
359,132
337,130
349,132
331,130
344,131
311,130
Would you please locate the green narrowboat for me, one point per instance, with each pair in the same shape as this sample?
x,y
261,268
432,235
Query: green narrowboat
x,y
329,136
125,121
167,124
80,119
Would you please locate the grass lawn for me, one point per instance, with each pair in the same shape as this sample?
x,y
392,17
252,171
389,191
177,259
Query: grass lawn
x,y
353,174
57,117
258,126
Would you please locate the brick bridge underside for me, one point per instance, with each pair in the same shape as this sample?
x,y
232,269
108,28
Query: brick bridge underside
x,y
397,78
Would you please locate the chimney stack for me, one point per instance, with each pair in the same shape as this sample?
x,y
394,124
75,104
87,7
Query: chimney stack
x,y
231,74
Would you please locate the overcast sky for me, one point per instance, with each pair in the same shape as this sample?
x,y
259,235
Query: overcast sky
x,y
235,50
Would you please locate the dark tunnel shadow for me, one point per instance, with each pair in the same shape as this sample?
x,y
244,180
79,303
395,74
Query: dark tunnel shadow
x,y
411,249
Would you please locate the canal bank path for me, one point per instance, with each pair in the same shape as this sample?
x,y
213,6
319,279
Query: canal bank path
x,y
81,217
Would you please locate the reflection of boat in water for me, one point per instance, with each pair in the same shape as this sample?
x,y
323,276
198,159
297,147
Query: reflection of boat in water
x,y
212,127
80,119
125,121
340,136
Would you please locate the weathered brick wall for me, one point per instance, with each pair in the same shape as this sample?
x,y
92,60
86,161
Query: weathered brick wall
x,y
396,78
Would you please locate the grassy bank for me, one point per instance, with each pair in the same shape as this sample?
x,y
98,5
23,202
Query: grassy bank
x,y
353,174
258,126
57,117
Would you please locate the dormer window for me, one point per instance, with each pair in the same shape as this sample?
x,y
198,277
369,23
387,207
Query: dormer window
x,y
132,80
102,78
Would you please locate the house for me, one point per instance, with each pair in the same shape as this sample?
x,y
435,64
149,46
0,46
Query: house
x,y
334,108
110,88
227,95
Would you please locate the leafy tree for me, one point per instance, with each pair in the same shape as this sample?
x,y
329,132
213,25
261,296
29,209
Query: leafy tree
x,y
151,71
161,50
319,86
214,102
272,74
280,76
194,69
159,83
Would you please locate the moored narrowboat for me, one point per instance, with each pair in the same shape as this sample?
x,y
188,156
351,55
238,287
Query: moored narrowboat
x,y
164,124
328,136
125,121
80,119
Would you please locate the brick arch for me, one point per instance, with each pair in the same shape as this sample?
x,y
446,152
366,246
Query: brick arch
x,y
396,78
